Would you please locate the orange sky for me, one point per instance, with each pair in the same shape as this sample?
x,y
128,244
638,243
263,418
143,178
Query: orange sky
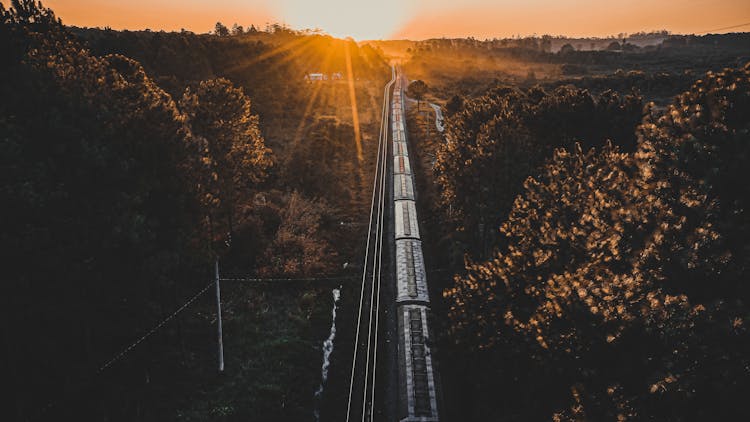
x,y
488,19
415,19
169,15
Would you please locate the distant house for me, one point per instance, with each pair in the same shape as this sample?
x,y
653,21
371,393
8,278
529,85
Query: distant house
x,y
312,77
319,77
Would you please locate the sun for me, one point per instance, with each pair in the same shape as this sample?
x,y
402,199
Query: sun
x,y
361,20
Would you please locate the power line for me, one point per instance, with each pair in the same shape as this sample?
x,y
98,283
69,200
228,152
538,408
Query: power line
x,y
156,328
192,299
255,279
129,348
378,244
153,330
217,282
309,279
726,27
382,144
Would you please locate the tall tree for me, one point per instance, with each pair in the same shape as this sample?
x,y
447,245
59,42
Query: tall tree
x,y
417,90
237,29
220,114
221,30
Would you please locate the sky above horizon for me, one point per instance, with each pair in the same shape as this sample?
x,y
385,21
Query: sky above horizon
x,y
415,19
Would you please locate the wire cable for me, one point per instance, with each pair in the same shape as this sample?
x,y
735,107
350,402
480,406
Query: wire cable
x,y
379,276
54,402
725,28
302,280
375,262
153,330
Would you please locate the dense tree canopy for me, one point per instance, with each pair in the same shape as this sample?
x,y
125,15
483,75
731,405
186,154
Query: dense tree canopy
x,y
622,282
696,154
497,140
97,161
108,184
605,278
219,114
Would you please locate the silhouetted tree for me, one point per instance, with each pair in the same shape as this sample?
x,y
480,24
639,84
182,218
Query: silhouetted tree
x,y
417,90
221,30
236,153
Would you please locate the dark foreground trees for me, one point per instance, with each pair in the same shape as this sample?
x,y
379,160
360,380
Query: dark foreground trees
x,y
98,216
120,186
220,116
494,142
115,199
621,292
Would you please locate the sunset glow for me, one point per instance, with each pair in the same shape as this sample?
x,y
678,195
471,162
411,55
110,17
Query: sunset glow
x,y
415,19
381,210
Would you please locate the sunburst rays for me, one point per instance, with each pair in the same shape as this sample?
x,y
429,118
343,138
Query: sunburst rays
x,y
353,101
311,101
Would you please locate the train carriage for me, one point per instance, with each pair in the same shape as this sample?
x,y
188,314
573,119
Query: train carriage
x,y
401,165
405,213
418,384
411,283
403,188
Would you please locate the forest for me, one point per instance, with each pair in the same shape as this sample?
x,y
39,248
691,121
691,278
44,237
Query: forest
x,y
598,245
132,160
658,64
584,218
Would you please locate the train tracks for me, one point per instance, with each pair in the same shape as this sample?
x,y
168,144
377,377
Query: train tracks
x,y
361,399
415,377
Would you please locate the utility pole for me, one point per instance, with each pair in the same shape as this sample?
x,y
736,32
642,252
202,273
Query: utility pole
x,y
429,123
218,317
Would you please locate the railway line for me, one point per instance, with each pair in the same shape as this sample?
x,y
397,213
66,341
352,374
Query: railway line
x,y
361,398
419,386
393,226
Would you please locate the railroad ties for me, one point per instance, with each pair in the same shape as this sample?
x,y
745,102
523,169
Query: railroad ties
x,y
418,395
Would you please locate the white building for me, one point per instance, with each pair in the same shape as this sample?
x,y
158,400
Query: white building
x,y
310,77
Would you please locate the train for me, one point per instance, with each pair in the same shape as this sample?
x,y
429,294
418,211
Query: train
x,y
418,376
